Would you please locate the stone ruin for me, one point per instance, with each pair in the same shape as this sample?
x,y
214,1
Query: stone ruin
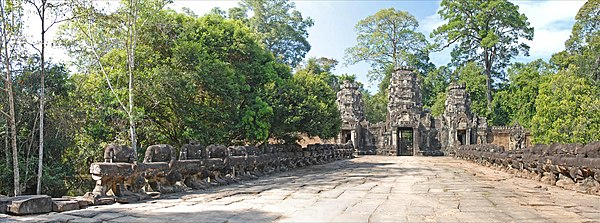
x,y
411,130
120,178
352,111
570,166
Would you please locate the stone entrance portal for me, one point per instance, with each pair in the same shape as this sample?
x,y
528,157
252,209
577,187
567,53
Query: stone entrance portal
x,y
405,142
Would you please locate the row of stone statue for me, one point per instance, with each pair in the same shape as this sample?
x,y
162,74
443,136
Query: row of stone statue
x,y
571,166
200,167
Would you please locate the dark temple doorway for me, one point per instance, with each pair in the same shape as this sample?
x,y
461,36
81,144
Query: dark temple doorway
x,y
462,136
346,136
405,142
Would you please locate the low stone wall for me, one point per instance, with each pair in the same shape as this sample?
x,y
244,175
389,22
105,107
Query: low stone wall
x,y
570,166
122,179
200,168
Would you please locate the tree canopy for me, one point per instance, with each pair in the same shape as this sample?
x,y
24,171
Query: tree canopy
x,y
488,32
567,110
279,26
387,40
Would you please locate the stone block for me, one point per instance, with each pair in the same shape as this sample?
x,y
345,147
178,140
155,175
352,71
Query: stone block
x,y
83,203
127,199
62,205
96,199
111,169
30,204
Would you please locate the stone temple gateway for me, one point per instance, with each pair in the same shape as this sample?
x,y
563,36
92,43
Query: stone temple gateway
x,y
409,129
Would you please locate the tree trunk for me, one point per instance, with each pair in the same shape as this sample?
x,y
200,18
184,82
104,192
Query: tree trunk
x,y
42,99
6,147
131,66
11,101
12,122
488,79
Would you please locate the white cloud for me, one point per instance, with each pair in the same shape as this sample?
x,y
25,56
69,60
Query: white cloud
x,y
430,22
552,22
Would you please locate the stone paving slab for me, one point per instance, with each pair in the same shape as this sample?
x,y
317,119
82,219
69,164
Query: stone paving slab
x,y
365,189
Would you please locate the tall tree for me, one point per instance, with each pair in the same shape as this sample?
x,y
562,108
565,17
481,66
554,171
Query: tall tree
x,y
101,33
567,110
583,47
11,38
388,39
49,15
471,74
304,103
489,32
435,83
324,68
279,26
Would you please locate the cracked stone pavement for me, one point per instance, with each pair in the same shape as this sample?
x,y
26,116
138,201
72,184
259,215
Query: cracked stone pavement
x,y
364,189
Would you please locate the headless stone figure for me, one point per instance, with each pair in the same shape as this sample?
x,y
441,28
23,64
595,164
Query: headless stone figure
x,y
160,153
218,153
117,154
195,151
192,151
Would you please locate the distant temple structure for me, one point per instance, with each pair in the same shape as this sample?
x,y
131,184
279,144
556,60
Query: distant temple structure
x,y
411,130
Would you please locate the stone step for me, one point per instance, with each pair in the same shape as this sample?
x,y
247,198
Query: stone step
x,y
60,205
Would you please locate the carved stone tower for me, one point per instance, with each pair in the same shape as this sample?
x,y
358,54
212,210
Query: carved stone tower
x,y
404,112
459,123
349,101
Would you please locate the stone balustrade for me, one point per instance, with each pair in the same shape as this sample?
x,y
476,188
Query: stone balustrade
x,y
120,178
198,167
570,166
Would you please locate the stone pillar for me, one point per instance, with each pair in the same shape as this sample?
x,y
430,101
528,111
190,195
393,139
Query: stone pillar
x,y
354,138
416,141
468,137
394,141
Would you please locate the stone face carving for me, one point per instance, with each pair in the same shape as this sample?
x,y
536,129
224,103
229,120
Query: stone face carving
x,y
116,153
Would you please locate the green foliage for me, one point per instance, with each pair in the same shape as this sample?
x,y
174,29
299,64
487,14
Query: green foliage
x,y
27,86
567,110
488,32
387,40
322,67
582,52
439,105
280,27
520,98
375,106
472,75
304,104
434,84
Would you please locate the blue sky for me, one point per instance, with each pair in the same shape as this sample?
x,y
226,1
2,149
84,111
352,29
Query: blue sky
x,y
334,22
333,31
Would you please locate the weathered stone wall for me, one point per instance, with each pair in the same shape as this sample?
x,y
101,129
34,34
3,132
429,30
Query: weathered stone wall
x,y
570,166
501,136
